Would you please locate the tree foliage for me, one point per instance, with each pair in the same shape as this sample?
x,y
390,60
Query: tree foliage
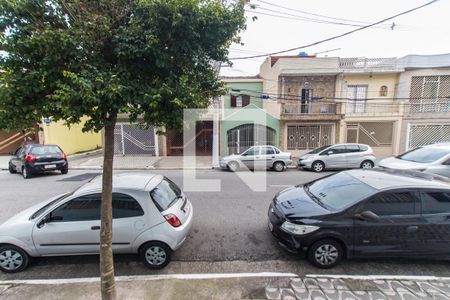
x,y
150,58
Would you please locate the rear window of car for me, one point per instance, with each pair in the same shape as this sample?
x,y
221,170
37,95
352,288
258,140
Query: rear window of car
x,y
424,154
363,147
338,191
165,194
44,150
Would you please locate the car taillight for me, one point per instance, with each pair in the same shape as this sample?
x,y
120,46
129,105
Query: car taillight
x,y
173,220
63,155
30,158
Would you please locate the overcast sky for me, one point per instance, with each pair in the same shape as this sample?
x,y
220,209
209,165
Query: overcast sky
x,y
425,31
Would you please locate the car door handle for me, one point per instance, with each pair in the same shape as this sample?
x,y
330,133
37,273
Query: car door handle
x,y
273,156
95,228
412,229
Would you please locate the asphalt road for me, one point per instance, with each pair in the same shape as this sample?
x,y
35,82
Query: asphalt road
x,y
229,231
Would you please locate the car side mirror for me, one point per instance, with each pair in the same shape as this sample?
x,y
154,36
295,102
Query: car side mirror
x,y
368,216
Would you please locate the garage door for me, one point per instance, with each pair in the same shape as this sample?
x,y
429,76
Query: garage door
x,y
131,139
420,135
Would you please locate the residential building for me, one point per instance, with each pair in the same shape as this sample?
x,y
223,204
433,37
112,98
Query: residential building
x,y
426,84
244,121
71,138
366,87
303,91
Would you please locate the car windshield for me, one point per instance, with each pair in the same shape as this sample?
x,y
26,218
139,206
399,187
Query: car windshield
x,y
338,191
317,150
424,154
46,206
165,194
44,150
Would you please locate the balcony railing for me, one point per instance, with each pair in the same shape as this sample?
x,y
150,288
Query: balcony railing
x,y
357,63
365,108
311,108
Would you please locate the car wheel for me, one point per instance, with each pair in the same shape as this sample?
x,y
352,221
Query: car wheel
x,y
13,259
64,171
325,253
233,166
11,169
26,173
155,255
367,164
278,166
318,166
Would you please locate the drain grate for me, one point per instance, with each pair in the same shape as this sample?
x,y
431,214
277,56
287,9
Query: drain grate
x,y
81,177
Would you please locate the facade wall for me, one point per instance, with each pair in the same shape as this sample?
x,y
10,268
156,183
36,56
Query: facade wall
x,y
71,139
321,85
374,83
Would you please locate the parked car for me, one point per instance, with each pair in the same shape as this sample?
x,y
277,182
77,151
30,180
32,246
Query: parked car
x,y
364,213
152,218
339,156
36,158
258,157
431,158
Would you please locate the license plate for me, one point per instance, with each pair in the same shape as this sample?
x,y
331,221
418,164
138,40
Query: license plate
x,y
270,226
50,166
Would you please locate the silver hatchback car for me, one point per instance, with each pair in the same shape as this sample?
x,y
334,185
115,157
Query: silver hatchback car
x,y
151,217
258,157
339,156
433,158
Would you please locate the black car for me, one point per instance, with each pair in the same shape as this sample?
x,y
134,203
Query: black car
x,y
364,213
36,158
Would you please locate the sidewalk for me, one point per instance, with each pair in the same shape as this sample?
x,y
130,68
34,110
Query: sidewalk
x,y
236,286
139,162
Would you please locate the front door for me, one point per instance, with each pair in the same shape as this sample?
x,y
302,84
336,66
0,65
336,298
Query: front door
x,y
396,231
248,157
73,228
335,157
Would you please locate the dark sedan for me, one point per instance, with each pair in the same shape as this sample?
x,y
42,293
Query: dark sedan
x,y
364,213
36,158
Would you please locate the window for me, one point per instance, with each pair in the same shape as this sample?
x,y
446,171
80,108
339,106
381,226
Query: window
x,y
435,202
338,191
84,208
277,151
239,101
251,151
335,150
383,91
125,206
424,154
357,95
393,204
363,147
352,148
267,151
165,194
45,150
447,162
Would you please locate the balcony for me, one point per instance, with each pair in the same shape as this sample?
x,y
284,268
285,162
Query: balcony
x,y
367,109
311,111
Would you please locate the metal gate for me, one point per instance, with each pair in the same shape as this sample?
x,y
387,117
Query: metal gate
x,y
131,139
244,136
420,135
300,137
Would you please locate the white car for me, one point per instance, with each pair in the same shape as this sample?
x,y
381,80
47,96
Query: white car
x,y
151,217
433,158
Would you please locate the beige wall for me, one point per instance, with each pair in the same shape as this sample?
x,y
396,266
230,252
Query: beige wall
x,y
374,83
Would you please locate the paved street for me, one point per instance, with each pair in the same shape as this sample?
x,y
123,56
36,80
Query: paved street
x,y
229,233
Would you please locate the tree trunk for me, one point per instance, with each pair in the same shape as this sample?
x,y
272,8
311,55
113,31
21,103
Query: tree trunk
x,y
106,256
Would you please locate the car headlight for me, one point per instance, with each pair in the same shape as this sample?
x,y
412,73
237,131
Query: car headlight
x,y
298,229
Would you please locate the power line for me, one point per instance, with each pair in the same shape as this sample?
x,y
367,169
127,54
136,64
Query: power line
x,y
340,35
312,14
306,19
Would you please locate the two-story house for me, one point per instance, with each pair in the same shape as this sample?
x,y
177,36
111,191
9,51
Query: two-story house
x,y
303,89
366,87
425,83
244,122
